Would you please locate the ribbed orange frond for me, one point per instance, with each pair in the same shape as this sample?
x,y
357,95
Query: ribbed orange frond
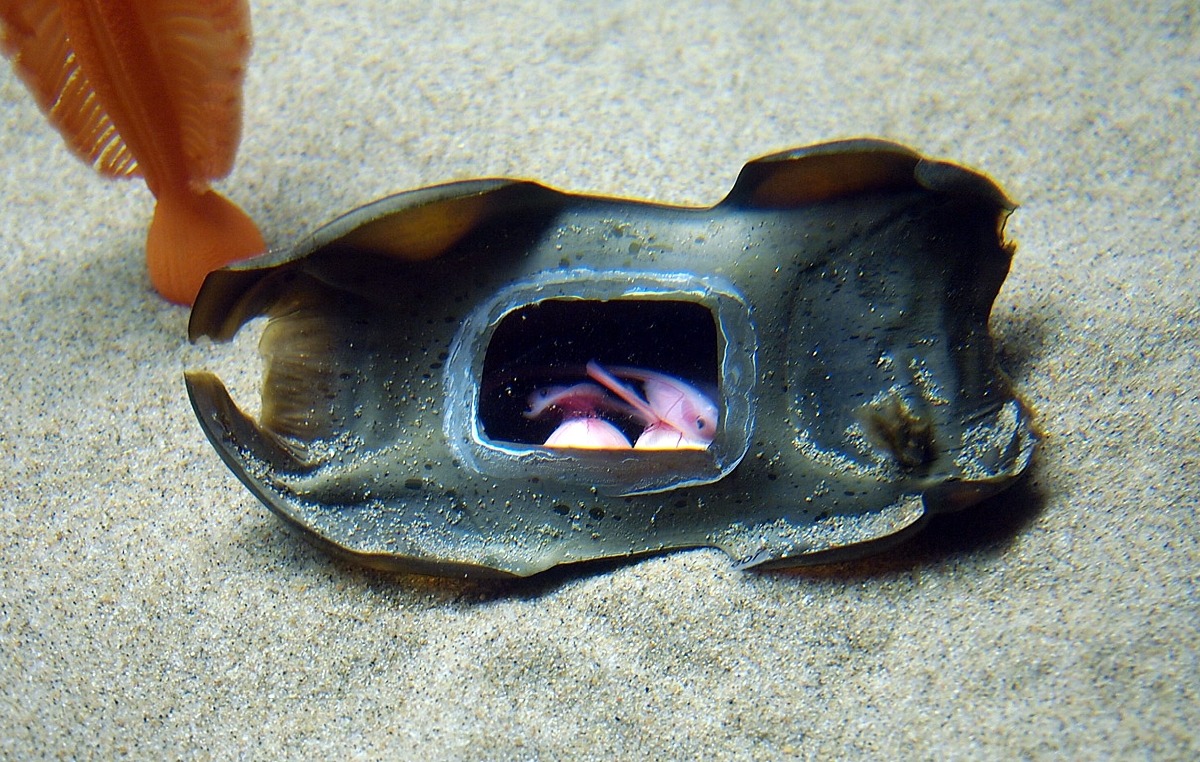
x,y
129,83
193,234
202,47
34,37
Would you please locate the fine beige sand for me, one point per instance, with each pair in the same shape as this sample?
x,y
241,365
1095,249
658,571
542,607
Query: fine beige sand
x,y
151,607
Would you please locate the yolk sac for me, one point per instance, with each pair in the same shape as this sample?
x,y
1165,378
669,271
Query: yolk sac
x,y
581,408
557,361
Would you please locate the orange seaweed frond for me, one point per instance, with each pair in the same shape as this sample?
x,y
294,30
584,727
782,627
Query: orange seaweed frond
x,y
150,88
153,85
202,47
211,229
36,40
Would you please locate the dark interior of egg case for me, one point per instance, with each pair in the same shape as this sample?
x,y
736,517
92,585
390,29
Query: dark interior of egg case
x,y
549,344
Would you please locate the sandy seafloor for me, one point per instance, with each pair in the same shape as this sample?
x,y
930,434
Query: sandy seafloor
x,y
150,606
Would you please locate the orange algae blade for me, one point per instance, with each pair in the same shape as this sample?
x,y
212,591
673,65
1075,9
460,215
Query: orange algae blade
x,y
210,229
36,40
157,78
150,88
